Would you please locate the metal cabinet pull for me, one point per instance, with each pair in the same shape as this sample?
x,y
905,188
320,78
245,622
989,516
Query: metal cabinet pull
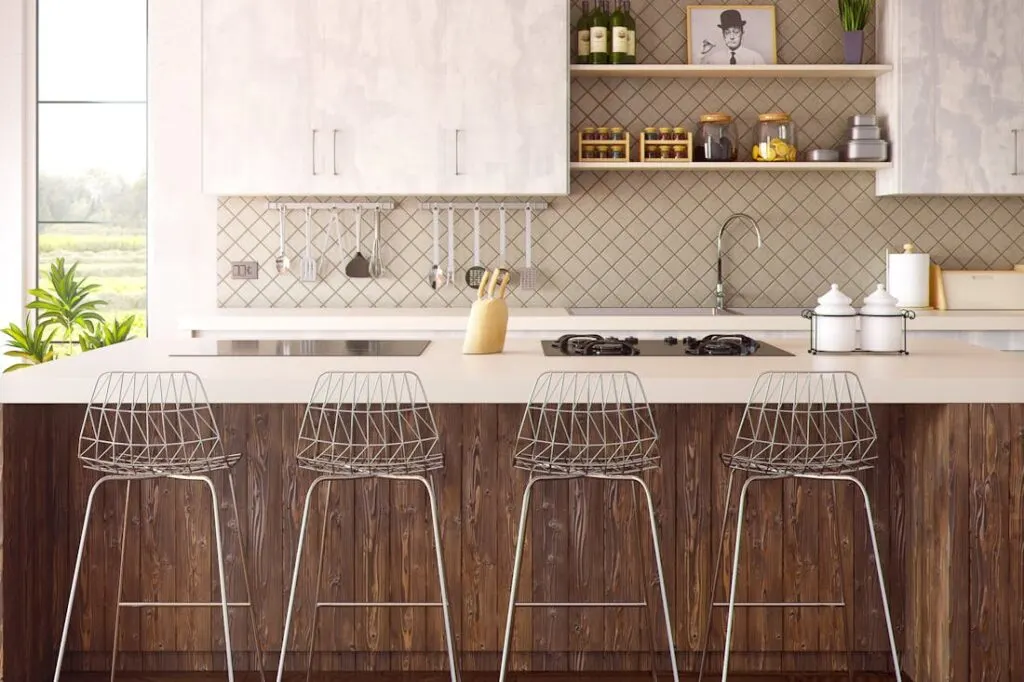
x,y
457,131
314,151
1016,152
334,149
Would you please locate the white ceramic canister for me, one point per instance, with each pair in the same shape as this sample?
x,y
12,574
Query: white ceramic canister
x,y
907,277
881,323
836,322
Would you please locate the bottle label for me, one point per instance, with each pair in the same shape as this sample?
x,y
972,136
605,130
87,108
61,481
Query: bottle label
x,y
598,39
583,43
631,48
620,40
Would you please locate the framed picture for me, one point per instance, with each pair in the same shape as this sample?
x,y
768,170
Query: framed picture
x,y
723,35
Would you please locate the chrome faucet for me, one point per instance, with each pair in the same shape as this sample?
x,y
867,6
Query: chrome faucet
x,y
720,284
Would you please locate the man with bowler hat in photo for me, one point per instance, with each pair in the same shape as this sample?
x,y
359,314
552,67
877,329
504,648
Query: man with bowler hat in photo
x,y
732,52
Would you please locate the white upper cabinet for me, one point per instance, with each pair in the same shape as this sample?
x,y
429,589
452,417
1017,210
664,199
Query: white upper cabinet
x,y
954,103
370,97
256,106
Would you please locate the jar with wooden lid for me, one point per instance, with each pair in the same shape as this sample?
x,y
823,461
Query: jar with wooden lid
x,y
775,138
617,133
716,140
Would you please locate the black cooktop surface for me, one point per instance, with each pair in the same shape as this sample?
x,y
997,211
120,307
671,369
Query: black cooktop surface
x,y
310,348
713,345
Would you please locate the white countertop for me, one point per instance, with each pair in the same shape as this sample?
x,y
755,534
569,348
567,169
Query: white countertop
x,y
252,321
937,371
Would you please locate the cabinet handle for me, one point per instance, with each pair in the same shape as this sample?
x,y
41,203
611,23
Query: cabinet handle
x,y
314,151
457,131
1016,152
334,149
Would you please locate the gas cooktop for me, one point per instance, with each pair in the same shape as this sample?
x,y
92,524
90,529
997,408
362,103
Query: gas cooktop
x,y
713,345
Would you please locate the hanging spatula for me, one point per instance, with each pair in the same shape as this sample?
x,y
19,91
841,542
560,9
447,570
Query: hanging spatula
x,y
477,272
358,267
436,277
528,275
503,268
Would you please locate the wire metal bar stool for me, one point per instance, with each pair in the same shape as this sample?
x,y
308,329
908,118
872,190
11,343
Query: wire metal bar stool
x,y
803,425
148,425
594,425
368,425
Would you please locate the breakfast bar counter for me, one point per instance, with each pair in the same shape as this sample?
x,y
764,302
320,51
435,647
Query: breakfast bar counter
x,y
948,493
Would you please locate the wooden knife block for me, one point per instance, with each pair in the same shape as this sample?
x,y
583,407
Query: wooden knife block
x,y
488,324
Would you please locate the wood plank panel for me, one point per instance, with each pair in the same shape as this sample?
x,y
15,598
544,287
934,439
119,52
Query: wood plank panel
x,y
512,483
1015,532
448,486
550,527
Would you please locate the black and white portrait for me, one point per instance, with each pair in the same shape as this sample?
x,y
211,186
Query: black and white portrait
x,y
731,35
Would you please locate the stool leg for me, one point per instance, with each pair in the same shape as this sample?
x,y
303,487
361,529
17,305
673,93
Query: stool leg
x,y
295,576
735,572
661,575
881,577
840,556
714,577
77,572
644,587
319,578
218,537
516,567
449,634
120,581
245,575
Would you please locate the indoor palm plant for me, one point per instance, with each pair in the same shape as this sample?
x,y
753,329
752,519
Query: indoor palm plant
x,y
854,15
67,305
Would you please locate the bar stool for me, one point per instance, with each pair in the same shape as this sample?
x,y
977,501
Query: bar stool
x,y
587,425
803,425
368,425
149,425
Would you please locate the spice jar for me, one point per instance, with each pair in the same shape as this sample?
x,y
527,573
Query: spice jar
x,y
775,138
717,138
589,132
602,134
665,133
679,133
617,134
881,323
835,323
589,152
617,152
666,151
602,151
650,133
679,152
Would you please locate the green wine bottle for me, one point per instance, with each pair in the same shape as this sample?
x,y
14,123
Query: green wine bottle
x,y
598,35
631,25
583,35
620,35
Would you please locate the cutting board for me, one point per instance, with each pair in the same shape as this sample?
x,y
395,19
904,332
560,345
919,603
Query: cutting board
x,y
983,289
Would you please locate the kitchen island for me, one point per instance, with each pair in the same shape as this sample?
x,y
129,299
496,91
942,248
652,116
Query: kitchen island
x,y
948,493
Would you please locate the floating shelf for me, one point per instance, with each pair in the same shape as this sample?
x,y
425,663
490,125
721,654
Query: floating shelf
x,y
739,166
702,71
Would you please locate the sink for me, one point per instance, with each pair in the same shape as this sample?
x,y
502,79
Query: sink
x,y
683,312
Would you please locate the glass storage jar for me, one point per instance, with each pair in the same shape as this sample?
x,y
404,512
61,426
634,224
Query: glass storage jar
x,y
775,138
716,140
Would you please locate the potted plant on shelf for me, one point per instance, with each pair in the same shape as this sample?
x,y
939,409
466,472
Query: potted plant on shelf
x,y
68,306
854,15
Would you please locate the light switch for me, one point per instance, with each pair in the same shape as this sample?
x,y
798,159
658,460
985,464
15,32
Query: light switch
x,y
245,269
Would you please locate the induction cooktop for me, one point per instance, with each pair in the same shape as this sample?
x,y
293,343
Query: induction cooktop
x,y
309,348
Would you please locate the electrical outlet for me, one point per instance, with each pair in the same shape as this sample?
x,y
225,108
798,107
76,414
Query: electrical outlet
x,y
245,269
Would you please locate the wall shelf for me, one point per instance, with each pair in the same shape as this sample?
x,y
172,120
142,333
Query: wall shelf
x,y
738,166
702,71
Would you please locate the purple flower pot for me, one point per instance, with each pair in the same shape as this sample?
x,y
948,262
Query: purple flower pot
x,y
853,47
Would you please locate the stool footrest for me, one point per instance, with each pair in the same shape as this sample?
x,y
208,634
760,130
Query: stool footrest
x,y
376,604
781,604
182,604
576,604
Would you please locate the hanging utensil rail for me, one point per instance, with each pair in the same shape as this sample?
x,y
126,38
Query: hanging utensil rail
x,y
325,206
488,205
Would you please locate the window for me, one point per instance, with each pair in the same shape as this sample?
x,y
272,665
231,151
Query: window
x,y
92,146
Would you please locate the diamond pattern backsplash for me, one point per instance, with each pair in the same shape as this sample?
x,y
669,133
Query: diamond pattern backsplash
x,y
648,239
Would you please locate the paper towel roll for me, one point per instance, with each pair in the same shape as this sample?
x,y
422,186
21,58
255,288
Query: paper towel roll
x,y
907,277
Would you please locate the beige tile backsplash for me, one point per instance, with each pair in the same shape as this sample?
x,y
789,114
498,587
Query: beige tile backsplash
x,y
647,239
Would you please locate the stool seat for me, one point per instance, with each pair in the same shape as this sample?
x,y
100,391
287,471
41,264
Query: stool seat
x,y
123,469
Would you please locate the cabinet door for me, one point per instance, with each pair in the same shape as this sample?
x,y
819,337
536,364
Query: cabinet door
x,y
377,90
257,137
507,127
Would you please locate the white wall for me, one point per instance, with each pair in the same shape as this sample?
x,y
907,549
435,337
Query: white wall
x,y
182,221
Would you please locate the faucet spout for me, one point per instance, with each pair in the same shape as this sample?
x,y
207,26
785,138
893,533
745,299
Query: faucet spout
x,y
720,279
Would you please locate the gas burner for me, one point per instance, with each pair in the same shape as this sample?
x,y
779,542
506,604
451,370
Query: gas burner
x,y
720,344
595,344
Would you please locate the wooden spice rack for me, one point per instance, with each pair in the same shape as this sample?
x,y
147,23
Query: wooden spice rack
x,y
624,144
646,144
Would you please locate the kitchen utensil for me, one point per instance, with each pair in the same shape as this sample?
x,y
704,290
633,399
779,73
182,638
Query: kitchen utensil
x,y
450,273
281,262
502,236
823,155
983,289
488,318
376,266
865,132
358,267
307,264
475,273
836,323
865,150
528,275
907,277
863,120
333,231
936,291
881,323
436,277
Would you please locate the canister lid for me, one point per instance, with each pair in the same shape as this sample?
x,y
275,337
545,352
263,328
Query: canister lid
x,y
716,117
880,302
835,302
773,117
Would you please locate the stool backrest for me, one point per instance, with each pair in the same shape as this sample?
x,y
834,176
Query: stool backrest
x,y
806,422
369,422
579,421
148,419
